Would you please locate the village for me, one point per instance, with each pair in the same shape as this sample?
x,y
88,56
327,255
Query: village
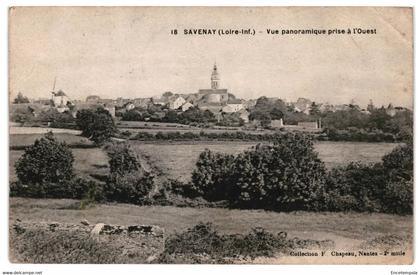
x,y
219,103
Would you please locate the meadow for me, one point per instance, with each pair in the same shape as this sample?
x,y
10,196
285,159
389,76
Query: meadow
x,y
349,231
176,160
86,161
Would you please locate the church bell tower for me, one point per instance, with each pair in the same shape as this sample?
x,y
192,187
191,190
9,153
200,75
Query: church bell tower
x,y
215,78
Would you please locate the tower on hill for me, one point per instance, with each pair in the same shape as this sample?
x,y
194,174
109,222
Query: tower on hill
x,y
215,78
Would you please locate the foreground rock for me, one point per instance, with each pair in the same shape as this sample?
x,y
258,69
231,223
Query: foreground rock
x,y
53,242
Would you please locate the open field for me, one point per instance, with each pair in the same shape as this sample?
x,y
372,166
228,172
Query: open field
x,y
40,130
177,160
356,226
347,230
29,139
86,161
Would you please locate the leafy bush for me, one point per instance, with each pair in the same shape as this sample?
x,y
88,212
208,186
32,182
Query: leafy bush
x,y
75,188
287,175
398,194
46,161
132,187
97,125
127,181
204,239
204,244
355,187
122,160
210,175
381,187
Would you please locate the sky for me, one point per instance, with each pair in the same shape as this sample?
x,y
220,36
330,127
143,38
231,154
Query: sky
x,y
130,52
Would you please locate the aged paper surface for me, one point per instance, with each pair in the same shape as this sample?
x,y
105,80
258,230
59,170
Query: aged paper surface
x,y
161,109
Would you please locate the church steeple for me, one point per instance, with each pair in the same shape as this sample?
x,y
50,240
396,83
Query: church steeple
x,y
215,78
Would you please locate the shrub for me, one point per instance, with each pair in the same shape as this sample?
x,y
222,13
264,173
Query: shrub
x,y
131,187
75,188
209,178
287,175
385,187
97,125
121,159
205,239
47,161
127,181
398,194
204,244
355,187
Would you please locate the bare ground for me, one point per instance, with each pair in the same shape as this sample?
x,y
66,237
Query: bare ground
x,y
349,231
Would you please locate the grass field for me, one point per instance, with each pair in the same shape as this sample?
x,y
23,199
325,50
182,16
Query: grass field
x,y
29,139
177,160
86,161
347,230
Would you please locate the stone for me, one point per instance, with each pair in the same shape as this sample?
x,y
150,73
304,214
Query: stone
x,y
97,229
85,222
151,259
53,226
19,229
145,229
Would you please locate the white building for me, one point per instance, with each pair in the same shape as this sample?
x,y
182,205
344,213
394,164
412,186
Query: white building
x,y
186,106
59,98
232,107
176,102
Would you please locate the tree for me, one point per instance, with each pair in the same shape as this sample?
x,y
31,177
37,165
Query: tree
x,y
20,99
132,115
171,116
122,160
167,94
97,125
127,182
267,109
46,161
231,119
314,111
287,175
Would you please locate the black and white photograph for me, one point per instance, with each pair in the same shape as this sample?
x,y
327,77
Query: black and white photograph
x,y
210,135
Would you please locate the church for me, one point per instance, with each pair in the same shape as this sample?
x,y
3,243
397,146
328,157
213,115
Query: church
x,y
215,94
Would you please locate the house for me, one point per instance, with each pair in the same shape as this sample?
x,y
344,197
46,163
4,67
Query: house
x,y
342,107
176,102
249,104
390,110
129,106
309,125
159,101
83,106
93,99
303,105
186,106
215,108
42,101
59,99
120,102
233,106
110,108
35,109
142,102
277,123
244,114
